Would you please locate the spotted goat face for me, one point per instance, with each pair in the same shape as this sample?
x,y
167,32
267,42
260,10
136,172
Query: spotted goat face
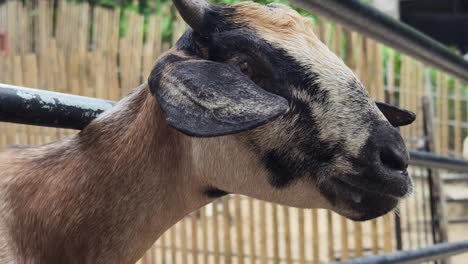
x,y
260,72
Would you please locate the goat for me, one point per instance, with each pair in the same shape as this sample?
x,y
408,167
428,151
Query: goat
x,y
248,101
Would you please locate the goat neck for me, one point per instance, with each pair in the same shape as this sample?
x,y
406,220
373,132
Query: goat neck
x,y
102,196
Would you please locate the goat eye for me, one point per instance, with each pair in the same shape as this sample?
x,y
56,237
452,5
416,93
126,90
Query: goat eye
x,y
245,69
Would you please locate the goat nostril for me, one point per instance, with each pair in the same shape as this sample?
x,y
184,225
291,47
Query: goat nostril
x,y
390,158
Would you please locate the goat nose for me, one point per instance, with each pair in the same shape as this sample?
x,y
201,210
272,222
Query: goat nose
x,y
394,157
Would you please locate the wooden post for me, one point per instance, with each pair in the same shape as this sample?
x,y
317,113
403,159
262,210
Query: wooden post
x,y
438,203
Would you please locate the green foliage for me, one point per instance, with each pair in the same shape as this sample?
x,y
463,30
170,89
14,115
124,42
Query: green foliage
x,y
164,9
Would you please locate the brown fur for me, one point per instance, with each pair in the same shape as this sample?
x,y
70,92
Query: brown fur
x,y
280,19
89,198
106,194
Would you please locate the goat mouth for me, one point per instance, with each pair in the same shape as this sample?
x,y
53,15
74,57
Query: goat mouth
x,y
369,189
358,203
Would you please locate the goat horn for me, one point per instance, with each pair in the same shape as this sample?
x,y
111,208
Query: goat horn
x,y
192,11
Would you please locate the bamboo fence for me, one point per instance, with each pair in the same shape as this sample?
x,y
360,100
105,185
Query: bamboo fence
x,y
78,50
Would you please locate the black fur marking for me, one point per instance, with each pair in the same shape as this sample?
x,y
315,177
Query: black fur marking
x,y
373,204
217,19
275,71
372,172
280,168
212,192
211,98
378,186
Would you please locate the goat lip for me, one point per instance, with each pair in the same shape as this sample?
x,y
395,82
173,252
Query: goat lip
x,y
360,204
362,190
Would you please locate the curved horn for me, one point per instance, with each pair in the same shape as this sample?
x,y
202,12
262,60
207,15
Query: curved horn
x,y
192,11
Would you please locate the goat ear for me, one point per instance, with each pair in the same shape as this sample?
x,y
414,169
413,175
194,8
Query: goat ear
x,y
205,98
396,116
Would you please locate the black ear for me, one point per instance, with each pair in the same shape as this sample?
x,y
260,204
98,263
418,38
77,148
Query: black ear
x,y
396,116
205,98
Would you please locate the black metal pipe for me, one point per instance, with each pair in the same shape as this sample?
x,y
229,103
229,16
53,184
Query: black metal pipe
x,y
377,25
434,252
46,108
430,160
458,221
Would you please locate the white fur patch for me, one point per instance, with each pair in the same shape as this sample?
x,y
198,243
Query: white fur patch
x,y
343,118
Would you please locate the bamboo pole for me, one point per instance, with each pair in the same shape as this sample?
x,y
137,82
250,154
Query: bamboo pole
x,y
11,25
263,233
380,73
275,227
439,113
194,235
163,251
215,233
183,239
375,237
444,118
388,233
458,120
227,231
287,235
204,226
316,237
252,237
302,234
358,239
173,246
344,238
331,240
20,130
239,230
